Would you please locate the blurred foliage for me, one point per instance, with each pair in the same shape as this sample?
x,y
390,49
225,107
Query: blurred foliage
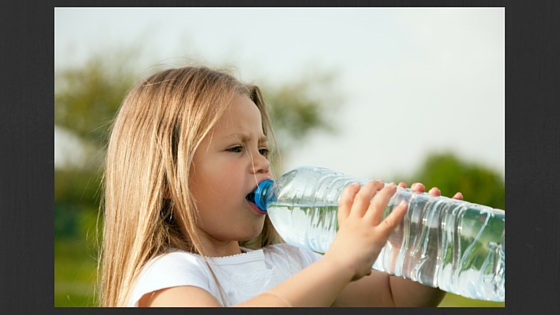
x,y
87,96
79,187
302,106
478,183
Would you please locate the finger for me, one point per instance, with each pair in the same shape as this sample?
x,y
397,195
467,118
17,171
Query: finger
x,y
458,196
346,200
364,196
393,219
435,192
378,204
418,188
402,184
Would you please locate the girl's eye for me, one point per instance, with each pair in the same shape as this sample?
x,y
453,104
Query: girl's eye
x,y
264,152
235,149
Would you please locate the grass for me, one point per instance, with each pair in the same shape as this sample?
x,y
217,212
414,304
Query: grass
x,y
74,274
75,262
452,300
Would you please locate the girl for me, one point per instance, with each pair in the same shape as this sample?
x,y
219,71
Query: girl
x,y
186,148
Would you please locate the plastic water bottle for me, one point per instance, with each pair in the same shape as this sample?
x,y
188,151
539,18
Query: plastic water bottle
x,y
451,244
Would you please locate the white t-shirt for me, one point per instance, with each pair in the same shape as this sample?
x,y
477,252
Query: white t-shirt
x,y
241,276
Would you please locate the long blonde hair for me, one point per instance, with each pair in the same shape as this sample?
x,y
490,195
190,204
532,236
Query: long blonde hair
x,y
147,200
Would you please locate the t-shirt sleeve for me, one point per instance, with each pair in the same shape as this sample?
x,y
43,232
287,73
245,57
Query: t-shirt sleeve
x,y
170,270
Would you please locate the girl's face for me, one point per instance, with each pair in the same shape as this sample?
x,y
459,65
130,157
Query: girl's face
x,y
227,166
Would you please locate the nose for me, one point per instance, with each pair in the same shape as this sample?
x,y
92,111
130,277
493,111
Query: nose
x,y
261,165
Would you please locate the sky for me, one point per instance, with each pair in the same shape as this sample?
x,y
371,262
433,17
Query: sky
x,y
412,80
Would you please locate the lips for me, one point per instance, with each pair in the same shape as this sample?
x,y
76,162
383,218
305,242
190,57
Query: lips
x,y
256,209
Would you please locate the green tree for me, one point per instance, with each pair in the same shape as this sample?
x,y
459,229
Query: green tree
x,y
478,183
87,96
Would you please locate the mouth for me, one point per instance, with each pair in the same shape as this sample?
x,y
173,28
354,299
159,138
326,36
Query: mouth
x,y
251,199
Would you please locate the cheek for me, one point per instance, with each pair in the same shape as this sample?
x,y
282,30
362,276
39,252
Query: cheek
x,y
213,193
202,191
204,174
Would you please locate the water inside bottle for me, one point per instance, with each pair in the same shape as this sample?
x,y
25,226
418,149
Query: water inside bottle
x,y
310,226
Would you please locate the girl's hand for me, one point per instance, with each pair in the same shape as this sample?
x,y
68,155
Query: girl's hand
x,y
361,233
420,188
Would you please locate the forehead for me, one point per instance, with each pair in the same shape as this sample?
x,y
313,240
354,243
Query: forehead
x,y
240,116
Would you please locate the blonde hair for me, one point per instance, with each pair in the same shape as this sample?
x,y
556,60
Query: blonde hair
x,y
147,200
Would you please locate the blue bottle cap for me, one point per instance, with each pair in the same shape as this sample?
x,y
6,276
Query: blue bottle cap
x,y
261,191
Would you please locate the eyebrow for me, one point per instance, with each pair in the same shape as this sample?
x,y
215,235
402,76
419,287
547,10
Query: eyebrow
x,y
245,137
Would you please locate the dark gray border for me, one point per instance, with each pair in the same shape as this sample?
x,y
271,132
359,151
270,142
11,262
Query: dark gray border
x,y
532,151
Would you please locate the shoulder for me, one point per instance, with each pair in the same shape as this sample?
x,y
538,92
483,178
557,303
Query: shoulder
x,y
178,263
172,269
174,259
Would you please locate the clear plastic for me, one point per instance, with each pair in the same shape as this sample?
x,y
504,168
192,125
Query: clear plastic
x,y
446,243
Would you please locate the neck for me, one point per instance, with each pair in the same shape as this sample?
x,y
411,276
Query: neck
x,y
232,248
218,248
